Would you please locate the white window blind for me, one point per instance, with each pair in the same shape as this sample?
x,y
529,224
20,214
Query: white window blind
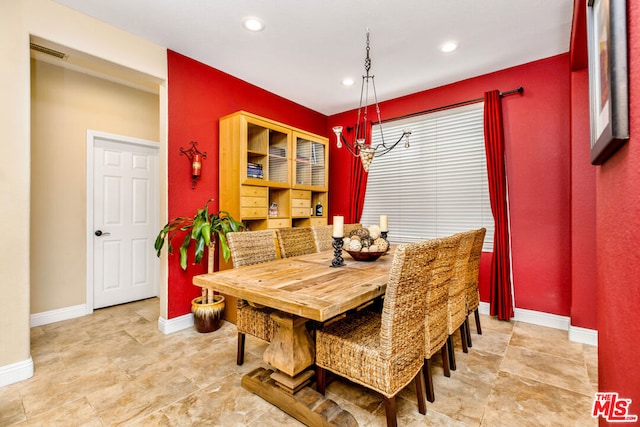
x,y
436,187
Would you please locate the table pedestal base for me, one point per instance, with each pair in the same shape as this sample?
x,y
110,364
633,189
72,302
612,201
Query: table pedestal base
x,y
307,405
293,384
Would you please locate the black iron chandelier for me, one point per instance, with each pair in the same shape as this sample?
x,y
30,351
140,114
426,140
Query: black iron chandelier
x,y
361,146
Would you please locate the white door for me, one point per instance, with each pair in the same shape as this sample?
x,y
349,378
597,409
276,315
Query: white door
x,y
125,203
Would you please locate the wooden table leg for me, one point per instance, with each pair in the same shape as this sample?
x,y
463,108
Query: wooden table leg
x,y
291,352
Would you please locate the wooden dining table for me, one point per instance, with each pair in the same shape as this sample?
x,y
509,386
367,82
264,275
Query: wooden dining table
x,y
300,289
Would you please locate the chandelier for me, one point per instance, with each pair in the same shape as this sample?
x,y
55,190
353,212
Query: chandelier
x,y
361,145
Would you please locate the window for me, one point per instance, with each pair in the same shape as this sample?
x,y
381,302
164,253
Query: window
x,y
436,187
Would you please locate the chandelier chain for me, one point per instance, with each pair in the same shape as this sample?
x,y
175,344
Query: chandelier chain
x,y
367,59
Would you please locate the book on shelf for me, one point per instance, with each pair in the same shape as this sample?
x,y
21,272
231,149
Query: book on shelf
x,y
254,170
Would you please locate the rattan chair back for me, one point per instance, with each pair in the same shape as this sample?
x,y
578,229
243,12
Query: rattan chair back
x,y
252,247
458,288
323,237
295,241
437,315
473,270
405,300
348,228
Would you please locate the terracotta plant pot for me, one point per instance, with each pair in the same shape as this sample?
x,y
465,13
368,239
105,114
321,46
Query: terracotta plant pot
x,y
207,317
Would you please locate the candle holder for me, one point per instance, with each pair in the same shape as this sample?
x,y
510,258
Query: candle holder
x,y
337,261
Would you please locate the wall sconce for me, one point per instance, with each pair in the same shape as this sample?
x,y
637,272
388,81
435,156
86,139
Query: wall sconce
x,y
195,158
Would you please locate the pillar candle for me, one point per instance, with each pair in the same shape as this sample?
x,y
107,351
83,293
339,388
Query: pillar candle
x,y
384,224
338,226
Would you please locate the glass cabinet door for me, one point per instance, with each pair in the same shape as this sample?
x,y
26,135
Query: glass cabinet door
x,y
310,162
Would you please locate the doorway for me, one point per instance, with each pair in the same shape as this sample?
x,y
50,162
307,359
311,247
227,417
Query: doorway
x,y
122,212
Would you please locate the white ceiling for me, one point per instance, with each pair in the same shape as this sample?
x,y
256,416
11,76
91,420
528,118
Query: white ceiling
x,y
308,47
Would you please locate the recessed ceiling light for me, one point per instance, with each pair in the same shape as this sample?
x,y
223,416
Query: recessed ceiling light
x,y
347,82
448,47
251,23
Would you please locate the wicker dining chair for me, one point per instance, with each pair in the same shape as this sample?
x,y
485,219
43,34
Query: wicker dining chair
x,y
348,228
436,329
457,306
295,241
384,351
473,270
323,237
248,248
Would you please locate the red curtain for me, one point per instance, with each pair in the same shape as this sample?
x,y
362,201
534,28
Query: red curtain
x,y
359,185
500,278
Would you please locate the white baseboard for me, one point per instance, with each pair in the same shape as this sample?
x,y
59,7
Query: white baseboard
x,y
576,334
44,318
542,319
165,326
16,372
176,324
583,335
484,308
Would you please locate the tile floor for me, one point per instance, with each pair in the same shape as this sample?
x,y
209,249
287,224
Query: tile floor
x,y
115,368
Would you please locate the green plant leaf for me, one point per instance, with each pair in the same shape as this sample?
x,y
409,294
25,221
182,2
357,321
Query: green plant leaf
x,y
199,250
224,247
183,251
206,233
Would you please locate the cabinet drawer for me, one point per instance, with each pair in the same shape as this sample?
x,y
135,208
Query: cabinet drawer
x,y
301,203
248,213
317,221
253,191
253,202
301,194
300,212
278,223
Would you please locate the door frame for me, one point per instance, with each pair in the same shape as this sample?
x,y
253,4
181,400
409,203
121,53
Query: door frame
x,y
92,135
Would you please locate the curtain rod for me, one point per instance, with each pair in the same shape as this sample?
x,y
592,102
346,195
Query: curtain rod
x,y
519,90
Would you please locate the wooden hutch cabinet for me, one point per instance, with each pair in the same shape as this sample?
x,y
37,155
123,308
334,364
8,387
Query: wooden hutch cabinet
x,y
272,175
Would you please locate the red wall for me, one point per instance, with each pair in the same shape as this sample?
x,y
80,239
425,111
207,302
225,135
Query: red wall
x,y
537,133
198,96
618,235
583,207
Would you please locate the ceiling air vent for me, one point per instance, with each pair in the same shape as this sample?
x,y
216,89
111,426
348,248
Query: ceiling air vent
x,y
48,51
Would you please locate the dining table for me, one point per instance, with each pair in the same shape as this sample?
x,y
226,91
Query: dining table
x,y
303,292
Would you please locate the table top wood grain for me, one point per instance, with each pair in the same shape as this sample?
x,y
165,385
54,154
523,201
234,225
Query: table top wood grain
x,y
305,286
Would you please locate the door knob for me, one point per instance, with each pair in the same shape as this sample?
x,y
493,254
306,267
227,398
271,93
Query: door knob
x,y
100,233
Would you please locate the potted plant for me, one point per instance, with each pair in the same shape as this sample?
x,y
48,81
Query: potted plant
x,y
203,229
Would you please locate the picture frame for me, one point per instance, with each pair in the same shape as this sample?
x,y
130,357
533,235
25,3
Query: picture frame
x,y
608,77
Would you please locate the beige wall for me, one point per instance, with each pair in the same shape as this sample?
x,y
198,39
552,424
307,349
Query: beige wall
x,y
64,104
14,186
47,20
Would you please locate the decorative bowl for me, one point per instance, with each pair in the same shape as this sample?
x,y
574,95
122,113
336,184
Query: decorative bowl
x,y
365,256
